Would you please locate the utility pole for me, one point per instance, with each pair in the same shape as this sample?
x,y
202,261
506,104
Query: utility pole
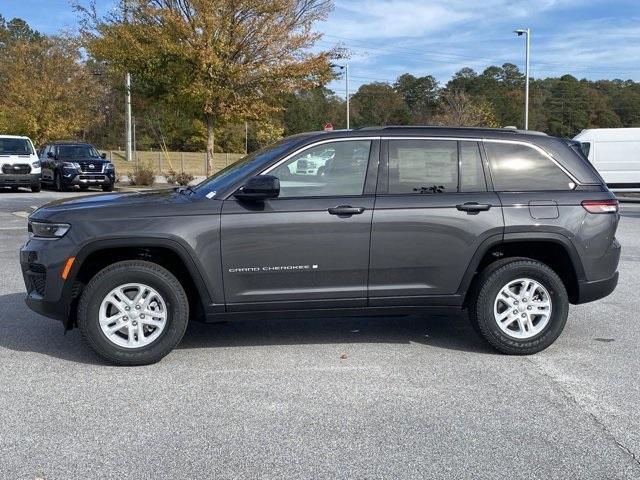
x,y
346,76
128,142
527,33
246,137
127,87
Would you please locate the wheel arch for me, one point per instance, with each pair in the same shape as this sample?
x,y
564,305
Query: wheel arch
x,y
168,253
552,249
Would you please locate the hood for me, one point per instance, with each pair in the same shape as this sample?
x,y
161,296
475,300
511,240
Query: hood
x,y
130,203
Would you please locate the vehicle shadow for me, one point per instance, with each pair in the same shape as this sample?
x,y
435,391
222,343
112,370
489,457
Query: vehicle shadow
x,y
453,332
24,331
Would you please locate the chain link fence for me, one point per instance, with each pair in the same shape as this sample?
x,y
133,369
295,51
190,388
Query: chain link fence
x,y
194,163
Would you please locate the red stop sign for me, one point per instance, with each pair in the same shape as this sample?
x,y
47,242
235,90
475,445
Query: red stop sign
x,y
328,127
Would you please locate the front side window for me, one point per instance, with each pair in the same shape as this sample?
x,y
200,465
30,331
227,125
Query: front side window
x,y
520,168
329,169
423,166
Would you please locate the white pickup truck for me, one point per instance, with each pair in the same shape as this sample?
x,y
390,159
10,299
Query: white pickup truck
x,y
19,163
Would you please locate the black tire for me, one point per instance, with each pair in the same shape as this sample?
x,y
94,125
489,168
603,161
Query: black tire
x,y
84,188
133,271
14,188
107,188
489,284
59,185
36,187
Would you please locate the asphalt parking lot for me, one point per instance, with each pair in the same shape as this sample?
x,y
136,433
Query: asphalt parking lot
x,y
414,397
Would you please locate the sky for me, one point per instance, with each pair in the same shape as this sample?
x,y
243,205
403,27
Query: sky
x,y
586,38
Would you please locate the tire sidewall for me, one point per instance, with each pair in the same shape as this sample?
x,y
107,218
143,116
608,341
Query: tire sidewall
x,y
559,306
105,282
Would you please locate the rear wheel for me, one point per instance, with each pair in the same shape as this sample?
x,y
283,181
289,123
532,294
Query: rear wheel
x,y
520,306
133,313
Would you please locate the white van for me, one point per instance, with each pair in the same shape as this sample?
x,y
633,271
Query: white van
x,y
615,152
19,163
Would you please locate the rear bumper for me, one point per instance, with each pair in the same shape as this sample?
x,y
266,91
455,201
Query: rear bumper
x,y
17,180
590,291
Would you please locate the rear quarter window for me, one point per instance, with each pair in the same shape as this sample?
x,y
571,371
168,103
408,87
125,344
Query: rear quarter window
x,y
519,167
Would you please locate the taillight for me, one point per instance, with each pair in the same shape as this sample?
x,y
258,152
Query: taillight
x,y
600,206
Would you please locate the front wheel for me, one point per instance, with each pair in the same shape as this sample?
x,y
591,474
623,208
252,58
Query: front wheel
x,y
59,185
107,188
520,306
36,187
133,313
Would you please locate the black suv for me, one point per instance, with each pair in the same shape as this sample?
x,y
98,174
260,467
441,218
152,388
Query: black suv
x,y
65,164
511,225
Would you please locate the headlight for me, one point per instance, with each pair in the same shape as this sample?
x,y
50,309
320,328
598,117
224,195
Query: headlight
x,y
74,166
48,230
109,166
35,164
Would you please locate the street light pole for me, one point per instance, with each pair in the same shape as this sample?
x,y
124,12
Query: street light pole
x,y
346,76
344,67
527,32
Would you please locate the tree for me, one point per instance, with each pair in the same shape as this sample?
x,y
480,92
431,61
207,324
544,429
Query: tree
x,y
227,59
47,93
420,94
310,109
379,104
459,109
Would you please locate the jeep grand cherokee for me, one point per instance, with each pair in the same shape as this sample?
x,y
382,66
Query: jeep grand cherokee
x,y
512,226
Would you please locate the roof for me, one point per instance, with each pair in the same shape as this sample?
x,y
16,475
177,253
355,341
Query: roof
x,y
68,142
14,136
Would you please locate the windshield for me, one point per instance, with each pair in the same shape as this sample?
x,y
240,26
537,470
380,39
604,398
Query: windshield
x,y
77,151
242,167
15,146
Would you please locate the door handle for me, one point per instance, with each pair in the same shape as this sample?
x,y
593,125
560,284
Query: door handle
x,y
473,207
345,210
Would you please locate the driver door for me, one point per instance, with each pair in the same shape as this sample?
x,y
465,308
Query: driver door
x,y
308,248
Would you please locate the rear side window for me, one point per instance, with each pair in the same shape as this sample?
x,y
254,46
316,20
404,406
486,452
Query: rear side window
x,y
585,147
435,166
471,172
423,166
518,168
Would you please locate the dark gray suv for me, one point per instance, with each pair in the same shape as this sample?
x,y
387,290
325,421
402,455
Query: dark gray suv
x,y
511,225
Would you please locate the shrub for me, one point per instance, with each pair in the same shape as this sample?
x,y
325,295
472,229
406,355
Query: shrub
x,y
141,175
181,178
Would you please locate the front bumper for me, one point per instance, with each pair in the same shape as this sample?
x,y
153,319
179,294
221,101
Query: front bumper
x,y
19,180
42,262
84,178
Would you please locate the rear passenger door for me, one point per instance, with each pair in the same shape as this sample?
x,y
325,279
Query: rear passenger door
x,y
433,210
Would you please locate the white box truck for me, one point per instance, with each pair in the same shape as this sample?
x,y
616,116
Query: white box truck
x,y
615,152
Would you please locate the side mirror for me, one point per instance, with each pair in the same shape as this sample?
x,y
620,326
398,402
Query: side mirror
x,y
50,155
103,155
260,187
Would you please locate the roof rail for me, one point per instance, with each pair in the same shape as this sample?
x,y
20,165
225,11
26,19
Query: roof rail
x,y
508,129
